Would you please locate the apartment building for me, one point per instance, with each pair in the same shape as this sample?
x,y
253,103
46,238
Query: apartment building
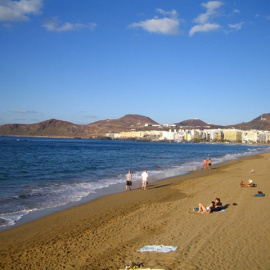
x,y
250,136
232,135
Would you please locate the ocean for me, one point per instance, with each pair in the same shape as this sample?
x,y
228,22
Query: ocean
x,y
42,175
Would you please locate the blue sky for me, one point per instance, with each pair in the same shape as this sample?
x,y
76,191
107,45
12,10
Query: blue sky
x,y
171,60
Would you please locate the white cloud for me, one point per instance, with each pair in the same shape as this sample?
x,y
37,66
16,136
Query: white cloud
x,y
54,26
211,11
202,20
172,13
169,25
19,10
236,26
207,27
236,11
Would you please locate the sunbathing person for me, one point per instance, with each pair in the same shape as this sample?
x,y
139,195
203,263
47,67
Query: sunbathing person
x,y
208,210
251,184
218,204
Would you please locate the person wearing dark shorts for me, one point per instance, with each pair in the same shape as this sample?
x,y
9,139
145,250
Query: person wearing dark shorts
x,y
209,164
129,180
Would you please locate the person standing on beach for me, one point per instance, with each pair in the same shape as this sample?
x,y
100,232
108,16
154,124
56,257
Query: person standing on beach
x,y
204,163
129,180
209,164
144,178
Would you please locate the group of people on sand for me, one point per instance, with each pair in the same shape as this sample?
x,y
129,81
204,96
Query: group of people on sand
x,y
205,163
215,206
144,178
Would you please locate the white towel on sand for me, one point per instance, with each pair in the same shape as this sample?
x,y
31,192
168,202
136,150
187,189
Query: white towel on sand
x,y
158,248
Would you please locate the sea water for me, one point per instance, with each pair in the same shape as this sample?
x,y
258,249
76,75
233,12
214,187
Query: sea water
x,y
37,174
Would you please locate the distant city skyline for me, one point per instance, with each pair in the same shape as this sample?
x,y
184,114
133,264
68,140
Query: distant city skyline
x,y
85,61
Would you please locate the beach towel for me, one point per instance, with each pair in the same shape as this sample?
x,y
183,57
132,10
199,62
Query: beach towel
x,y
158,248
259,195
196,209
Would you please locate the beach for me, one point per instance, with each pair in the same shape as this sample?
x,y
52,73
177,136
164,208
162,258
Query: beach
x,y
108,232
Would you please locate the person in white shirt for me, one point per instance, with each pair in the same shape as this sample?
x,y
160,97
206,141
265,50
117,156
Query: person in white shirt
x,y
144,178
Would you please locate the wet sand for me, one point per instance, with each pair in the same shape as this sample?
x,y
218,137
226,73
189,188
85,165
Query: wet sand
x,y
108,232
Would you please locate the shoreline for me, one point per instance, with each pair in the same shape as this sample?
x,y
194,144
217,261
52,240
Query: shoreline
x,y
107,232
113,189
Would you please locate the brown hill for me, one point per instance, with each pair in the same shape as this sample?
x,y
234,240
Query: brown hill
x,y
192,122
126,121
195,123
48,128
260,123
58,128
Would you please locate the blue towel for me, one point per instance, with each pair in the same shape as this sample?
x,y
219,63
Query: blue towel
x,y
259,195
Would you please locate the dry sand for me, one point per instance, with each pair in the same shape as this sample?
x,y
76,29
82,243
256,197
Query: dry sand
x,y
108,232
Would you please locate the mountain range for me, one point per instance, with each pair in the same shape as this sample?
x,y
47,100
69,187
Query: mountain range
x,y
59,128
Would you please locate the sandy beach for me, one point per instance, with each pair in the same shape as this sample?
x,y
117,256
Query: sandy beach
x,y
108,232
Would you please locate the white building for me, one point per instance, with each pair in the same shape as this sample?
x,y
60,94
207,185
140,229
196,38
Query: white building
x,y
249,136
168,135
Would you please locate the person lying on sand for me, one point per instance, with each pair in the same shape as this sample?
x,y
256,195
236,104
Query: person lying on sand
x,y
251,184
208,210
214,207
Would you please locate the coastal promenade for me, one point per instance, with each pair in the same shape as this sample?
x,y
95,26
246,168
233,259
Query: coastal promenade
x,y
108,232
